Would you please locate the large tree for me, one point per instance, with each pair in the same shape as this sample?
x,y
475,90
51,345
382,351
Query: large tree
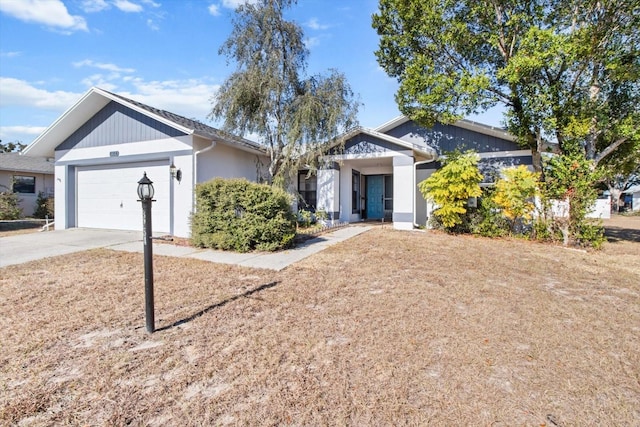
x,y
295,116
566,71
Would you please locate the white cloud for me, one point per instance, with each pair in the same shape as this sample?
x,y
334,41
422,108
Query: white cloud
x,y
233,4
189,98
127,6
153,25
11,131
151,3
102,66
15,92
52,13
315,25
91,6
214,10
10,54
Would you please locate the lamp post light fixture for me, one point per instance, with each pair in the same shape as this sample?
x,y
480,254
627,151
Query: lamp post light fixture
x,y
145,192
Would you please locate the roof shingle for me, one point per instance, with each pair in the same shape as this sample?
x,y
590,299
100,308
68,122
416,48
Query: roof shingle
x,y
15,162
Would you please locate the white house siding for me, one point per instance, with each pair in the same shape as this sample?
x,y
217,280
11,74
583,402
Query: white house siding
x,y
223,161
73,164
601,209
328,191
346,214
423,207
403,196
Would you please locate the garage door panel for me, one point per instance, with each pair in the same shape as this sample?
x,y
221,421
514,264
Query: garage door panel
x,y
107,196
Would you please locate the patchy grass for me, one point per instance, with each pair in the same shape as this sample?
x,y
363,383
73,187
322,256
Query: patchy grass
x,y
387,328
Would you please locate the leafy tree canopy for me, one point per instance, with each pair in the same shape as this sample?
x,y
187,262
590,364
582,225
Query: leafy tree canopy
x,y
11,147
296,116
566,71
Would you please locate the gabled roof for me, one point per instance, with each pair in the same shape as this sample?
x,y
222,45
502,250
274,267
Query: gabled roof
x,y
96,99
464,124
15,162
423,150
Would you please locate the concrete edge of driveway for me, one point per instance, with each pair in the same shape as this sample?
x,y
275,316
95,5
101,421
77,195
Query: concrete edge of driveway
x,y
21,248
266,260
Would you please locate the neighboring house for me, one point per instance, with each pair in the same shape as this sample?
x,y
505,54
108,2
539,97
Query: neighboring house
x,y
26,176
376,176
105,142
631,198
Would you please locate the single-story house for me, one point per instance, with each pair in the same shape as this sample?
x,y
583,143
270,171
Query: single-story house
x,y
27,177
631,197
376,176
104,143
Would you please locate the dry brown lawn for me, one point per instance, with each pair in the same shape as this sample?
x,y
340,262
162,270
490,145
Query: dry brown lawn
x,y
388,328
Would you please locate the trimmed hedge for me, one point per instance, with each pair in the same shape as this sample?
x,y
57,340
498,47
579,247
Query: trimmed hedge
x,y
235,214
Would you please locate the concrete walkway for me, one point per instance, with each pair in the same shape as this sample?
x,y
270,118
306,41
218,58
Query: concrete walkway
x,y
23,248
268,260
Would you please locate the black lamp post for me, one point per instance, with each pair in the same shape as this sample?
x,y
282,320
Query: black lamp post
x,y
145,193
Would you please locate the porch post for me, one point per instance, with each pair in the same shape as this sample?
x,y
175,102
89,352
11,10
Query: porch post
x,y
403,192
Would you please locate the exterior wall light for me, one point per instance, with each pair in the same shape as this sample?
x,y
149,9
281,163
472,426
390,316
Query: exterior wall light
x,y
175,172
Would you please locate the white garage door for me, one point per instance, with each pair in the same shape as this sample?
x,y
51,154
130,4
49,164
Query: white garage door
x,y
107,196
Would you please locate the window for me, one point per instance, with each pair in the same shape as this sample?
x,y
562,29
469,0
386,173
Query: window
x,y
388,192
24,184
355,191
307,187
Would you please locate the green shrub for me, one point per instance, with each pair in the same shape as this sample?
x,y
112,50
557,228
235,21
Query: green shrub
x,y
487,220
239,215
570,177
9,208
451,186
305,218
514,195
44,206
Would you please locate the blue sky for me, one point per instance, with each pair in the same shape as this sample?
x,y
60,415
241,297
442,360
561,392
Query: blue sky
x,y
164,53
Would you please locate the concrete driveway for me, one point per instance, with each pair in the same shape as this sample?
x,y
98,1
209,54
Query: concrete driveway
x,y
28,247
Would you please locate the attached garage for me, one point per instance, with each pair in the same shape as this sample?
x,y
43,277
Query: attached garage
x,y
105,143
106,195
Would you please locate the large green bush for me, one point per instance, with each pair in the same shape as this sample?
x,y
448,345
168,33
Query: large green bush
x,y
235,214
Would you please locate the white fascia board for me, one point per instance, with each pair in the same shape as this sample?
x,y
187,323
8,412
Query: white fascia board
x,y
44,145
91,102
393,123
499,154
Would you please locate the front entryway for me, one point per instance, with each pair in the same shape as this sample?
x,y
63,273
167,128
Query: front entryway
x,y
379,200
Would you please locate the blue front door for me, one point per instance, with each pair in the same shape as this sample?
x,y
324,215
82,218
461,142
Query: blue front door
x,y
375,197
